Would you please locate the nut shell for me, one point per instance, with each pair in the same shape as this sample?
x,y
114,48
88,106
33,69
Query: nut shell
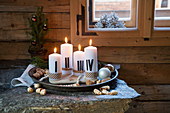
x,y
113,92
98,82
36,86
30,90
105,88
105,92
38,90
89,82
40,73
97,92
43,92
36,75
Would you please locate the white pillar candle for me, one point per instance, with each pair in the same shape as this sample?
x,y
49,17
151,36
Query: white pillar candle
x,y
67,60
78,60
55,66
91,63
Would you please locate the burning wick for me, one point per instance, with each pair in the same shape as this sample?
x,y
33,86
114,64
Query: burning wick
x,y
90,42
79,47
55,50
66,39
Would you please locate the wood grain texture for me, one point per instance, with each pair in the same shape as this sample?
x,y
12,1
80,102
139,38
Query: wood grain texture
x,y
20,35
26,9
123,41
134,54
19,50
34,2
152,92
145,74
19,21
148,18
149,107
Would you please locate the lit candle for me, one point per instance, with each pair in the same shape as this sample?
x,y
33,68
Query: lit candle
x,y
55,66
78,65
91,63
67,52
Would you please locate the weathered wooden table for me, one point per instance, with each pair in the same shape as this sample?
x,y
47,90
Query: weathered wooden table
x,y
17,100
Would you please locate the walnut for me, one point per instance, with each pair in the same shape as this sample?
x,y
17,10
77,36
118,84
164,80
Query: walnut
x,y
105,88
38,90
113,92
105,92
36,86
30,90
43,92
97,92
89,82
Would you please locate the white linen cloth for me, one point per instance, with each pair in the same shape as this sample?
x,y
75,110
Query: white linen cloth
x,y
24,79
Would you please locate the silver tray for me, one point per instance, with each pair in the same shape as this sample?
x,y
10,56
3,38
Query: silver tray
x,y
56,87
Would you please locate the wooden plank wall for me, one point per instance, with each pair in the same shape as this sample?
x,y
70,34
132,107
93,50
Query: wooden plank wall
x,y
14,23
146,69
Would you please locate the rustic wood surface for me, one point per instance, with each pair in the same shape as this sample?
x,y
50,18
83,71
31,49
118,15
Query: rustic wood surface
x,y
149,74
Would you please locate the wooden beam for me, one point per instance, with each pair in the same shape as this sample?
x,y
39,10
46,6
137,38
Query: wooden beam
x,y
147,74
152,92
34,2
148,18
19,21
20,35
19,50
134,54
26,9
149,107
122,41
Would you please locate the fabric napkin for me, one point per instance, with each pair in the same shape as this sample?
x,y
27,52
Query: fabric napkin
x,y
24,79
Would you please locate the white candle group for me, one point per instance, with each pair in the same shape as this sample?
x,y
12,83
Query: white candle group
x,y
83,61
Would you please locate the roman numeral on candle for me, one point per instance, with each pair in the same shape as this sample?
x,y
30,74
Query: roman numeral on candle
x,y
89,64
66,62
55,66
80,65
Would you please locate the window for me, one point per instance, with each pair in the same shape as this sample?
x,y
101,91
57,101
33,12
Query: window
x,y
121,7
139,16
125,9
162,13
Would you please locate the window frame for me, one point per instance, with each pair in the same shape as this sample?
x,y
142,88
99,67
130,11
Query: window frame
x,y
144,35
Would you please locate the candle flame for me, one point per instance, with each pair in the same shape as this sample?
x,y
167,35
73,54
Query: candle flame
x,y
79,47
66,39
55,50
90,42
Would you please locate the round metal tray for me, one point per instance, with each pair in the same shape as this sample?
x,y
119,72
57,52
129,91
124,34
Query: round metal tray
x,y
56,87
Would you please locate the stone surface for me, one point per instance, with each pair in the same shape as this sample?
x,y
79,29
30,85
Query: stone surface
x,y
17,100
6,75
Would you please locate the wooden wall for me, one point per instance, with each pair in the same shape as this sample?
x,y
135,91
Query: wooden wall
x,y
14,23
146,69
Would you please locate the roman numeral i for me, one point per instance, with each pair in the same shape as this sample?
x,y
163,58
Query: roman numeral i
x,y
66,62
55,66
